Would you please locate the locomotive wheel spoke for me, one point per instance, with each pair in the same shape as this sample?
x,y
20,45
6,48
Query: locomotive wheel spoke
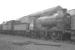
x,y
55,36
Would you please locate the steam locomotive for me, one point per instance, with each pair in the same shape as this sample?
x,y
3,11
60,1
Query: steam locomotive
x,y
56,27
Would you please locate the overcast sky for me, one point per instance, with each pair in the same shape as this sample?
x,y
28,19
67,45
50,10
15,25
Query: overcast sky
x,y
15,9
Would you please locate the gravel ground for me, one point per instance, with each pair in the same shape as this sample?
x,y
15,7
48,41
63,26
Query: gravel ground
x,y
8,42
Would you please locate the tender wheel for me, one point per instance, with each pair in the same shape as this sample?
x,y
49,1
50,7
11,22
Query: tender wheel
x,y
66,36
